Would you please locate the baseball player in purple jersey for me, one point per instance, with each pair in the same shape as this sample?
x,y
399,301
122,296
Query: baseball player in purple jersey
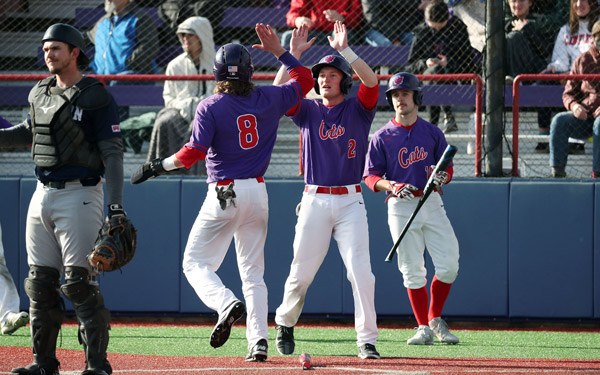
x,y
235,131
335,140
401,157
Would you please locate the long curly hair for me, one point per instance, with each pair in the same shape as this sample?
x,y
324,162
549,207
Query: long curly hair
x,y
234,87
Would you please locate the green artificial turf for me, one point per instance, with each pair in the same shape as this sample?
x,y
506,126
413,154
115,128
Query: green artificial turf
x,y
320,341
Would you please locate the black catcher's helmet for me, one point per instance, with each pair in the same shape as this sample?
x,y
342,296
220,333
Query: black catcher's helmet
x,y
67,34
339,63
404,81
233,62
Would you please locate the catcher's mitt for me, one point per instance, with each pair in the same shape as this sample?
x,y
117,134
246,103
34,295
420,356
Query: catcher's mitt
x,y
115,245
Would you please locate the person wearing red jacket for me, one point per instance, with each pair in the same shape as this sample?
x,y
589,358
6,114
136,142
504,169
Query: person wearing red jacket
x,y
320,17
582,119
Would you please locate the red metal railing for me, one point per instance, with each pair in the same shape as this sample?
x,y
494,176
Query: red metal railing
x,y
266,77
516,96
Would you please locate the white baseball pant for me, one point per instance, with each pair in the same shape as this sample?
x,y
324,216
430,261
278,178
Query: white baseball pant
x,y
344,216
9,297
207,245
431,228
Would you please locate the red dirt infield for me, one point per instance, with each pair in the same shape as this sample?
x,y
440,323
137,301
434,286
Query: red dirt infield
x,y
72,362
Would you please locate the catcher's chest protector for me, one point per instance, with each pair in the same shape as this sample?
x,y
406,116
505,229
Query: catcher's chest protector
x,y
57,139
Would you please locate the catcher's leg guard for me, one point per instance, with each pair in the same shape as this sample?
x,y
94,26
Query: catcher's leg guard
x,y
46,316
93,317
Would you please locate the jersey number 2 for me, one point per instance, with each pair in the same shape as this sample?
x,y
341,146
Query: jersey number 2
x,y
351,148
248,132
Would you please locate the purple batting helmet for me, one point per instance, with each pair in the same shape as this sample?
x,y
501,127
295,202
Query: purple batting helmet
x,y
340,64
404,81
233,62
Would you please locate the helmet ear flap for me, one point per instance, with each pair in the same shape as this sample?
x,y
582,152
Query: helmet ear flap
x,y
418,97
345,85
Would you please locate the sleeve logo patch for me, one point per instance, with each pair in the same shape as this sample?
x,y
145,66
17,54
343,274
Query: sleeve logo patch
x,y
115,128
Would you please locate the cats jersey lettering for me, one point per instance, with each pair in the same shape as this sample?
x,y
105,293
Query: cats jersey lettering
x,y
406,160
334,132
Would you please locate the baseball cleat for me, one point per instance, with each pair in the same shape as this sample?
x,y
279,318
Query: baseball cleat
x,y
35,369
285,340
13,322
440,329
424,336
258,353
220,333
368,351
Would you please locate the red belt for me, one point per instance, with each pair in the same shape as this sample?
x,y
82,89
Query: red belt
x,y
341,190
227,182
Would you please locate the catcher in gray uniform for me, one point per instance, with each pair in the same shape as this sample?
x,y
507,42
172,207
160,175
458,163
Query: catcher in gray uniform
x,y
73,126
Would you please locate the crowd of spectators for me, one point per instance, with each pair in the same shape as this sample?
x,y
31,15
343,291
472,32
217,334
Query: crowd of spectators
x,y
443,36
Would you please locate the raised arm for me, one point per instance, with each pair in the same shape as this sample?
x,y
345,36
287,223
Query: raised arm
x,y
298,44
269,40
340,43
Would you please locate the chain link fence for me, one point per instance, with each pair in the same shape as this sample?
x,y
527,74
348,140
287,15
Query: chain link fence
x,y
390,36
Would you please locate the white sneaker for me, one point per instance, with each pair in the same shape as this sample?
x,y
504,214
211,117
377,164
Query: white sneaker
x,y
440,329
13,322
424,336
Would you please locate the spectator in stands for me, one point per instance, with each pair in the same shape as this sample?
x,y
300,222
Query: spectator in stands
x,y
320,17
528,48
386,24
125,40
173,123
441,46
582,101
573,39
174,12
472,13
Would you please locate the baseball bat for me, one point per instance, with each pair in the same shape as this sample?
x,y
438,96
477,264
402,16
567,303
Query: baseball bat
x,y
442,165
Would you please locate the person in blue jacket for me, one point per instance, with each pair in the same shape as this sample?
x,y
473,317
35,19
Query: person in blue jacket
x,y
125,40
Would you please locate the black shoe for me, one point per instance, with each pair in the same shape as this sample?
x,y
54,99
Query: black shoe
x,y
368,351
559,172
35,369
449,124
258,353
94,372
542,148
220,333
285,340
576,149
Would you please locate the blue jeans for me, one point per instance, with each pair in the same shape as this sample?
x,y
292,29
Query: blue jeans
x,y
376,39
565,125
321,36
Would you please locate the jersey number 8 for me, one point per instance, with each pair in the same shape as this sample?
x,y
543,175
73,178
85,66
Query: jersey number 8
x,y
248,133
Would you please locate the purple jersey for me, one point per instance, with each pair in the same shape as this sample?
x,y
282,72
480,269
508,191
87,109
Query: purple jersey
x,y
405,155
238,133
334,141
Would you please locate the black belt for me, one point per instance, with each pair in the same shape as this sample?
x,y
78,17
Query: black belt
x,y
90,181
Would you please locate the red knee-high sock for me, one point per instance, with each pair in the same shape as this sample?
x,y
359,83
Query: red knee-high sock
x,y
419,300
439,293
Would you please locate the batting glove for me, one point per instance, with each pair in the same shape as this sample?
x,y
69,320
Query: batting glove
x,y
440,178
403,191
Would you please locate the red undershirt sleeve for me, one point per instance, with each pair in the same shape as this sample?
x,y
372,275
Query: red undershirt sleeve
x,y
190,155
371,180
368,96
